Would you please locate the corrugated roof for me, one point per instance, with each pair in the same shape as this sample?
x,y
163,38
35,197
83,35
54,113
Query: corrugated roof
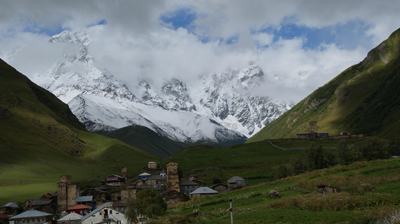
x,y
93,212
30,213
71,216
204,190
234,179
84,199
40,201
11,204
157,177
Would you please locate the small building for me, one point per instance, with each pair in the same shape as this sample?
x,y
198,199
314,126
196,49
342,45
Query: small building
x,y
84,200
163,173
115,196
219,187
119,207
313,135
174,197
32,216
41,204
157,181
152,165
203,191
71,218
188,186
144,176
102,214
236,181
10,209
79,209
344,133
114,180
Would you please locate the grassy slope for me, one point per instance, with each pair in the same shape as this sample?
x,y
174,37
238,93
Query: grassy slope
x,y
40,140
369,191
147,140
362,99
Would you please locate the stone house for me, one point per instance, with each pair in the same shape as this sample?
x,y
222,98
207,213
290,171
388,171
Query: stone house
x,y
157,181
4,219
188,186
236,181
174,197
114,180
32,216
41,204
10,209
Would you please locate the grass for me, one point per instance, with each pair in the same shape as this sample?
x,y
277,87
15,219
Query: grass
x,y
299,204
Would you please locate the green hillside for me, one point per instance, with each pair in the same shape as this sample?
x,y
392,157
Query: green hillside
x,y
363,99
147,140
369,193
40,140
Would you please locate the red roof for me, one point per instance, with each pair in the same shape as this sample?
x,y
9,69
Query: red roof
x,y
80,207
4,216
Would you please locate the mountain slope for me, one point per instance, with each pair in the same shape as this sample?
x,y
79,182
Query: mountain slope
x,y
363,99
40,139
145,139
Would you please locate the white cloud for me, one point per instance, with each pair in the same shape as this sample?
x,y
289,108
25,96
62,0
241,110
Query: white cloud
x,y
135,43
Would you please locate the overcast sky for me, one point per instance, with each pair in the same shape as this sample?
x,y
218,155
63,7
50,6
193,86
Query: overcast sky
x,y
305,42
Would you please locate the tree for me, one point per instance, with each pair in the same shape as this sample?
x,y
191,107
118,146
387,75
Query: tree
x,y
216,180
282,172
297,166
150,203
130,213
318,158
374,148
344,153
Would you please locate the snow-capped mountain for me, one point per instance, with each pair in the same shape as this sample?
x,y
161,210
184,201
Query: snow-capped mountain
x,y
220,108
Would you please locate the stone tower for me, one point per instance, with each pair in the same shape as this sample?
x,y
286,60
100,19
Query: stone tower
x,y
124,172
313,126
173,177
66,194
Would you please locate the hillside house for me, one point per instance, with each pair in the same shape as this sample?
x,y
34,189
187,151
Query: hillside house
x,y
313,134
173,197
157,181
10,209
41,204
114,180
236,181
79,209
152,165
188,186
84,200
203,191
32,216
219,187
72,218
102,214
144,176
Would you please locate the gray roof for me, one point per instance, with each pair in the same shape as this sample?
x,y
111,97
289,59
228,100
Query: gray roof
x,y
84,199
93,212
234,179
204,190
157,177
30,213
11,204
71,216
187,183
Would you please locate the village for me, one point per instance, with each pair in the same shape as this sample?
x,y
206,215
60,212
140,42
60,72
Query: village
x,y
107,202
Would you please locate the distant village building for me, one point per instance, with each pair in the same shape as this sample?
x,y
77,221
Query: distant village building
x,y
313,134
163,173
72,218
119,207
345,133
84,200
79,209
32,217
10,209
128,193
188,186
173,176
102,214
152,165
219,187
4,219
41,204
66,194
157,181
203,191
144,176
114,180
236,181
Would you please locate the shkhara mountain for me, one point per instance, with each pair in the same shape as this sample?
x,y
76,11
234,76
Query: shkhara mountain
x,y
363,99
221,111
